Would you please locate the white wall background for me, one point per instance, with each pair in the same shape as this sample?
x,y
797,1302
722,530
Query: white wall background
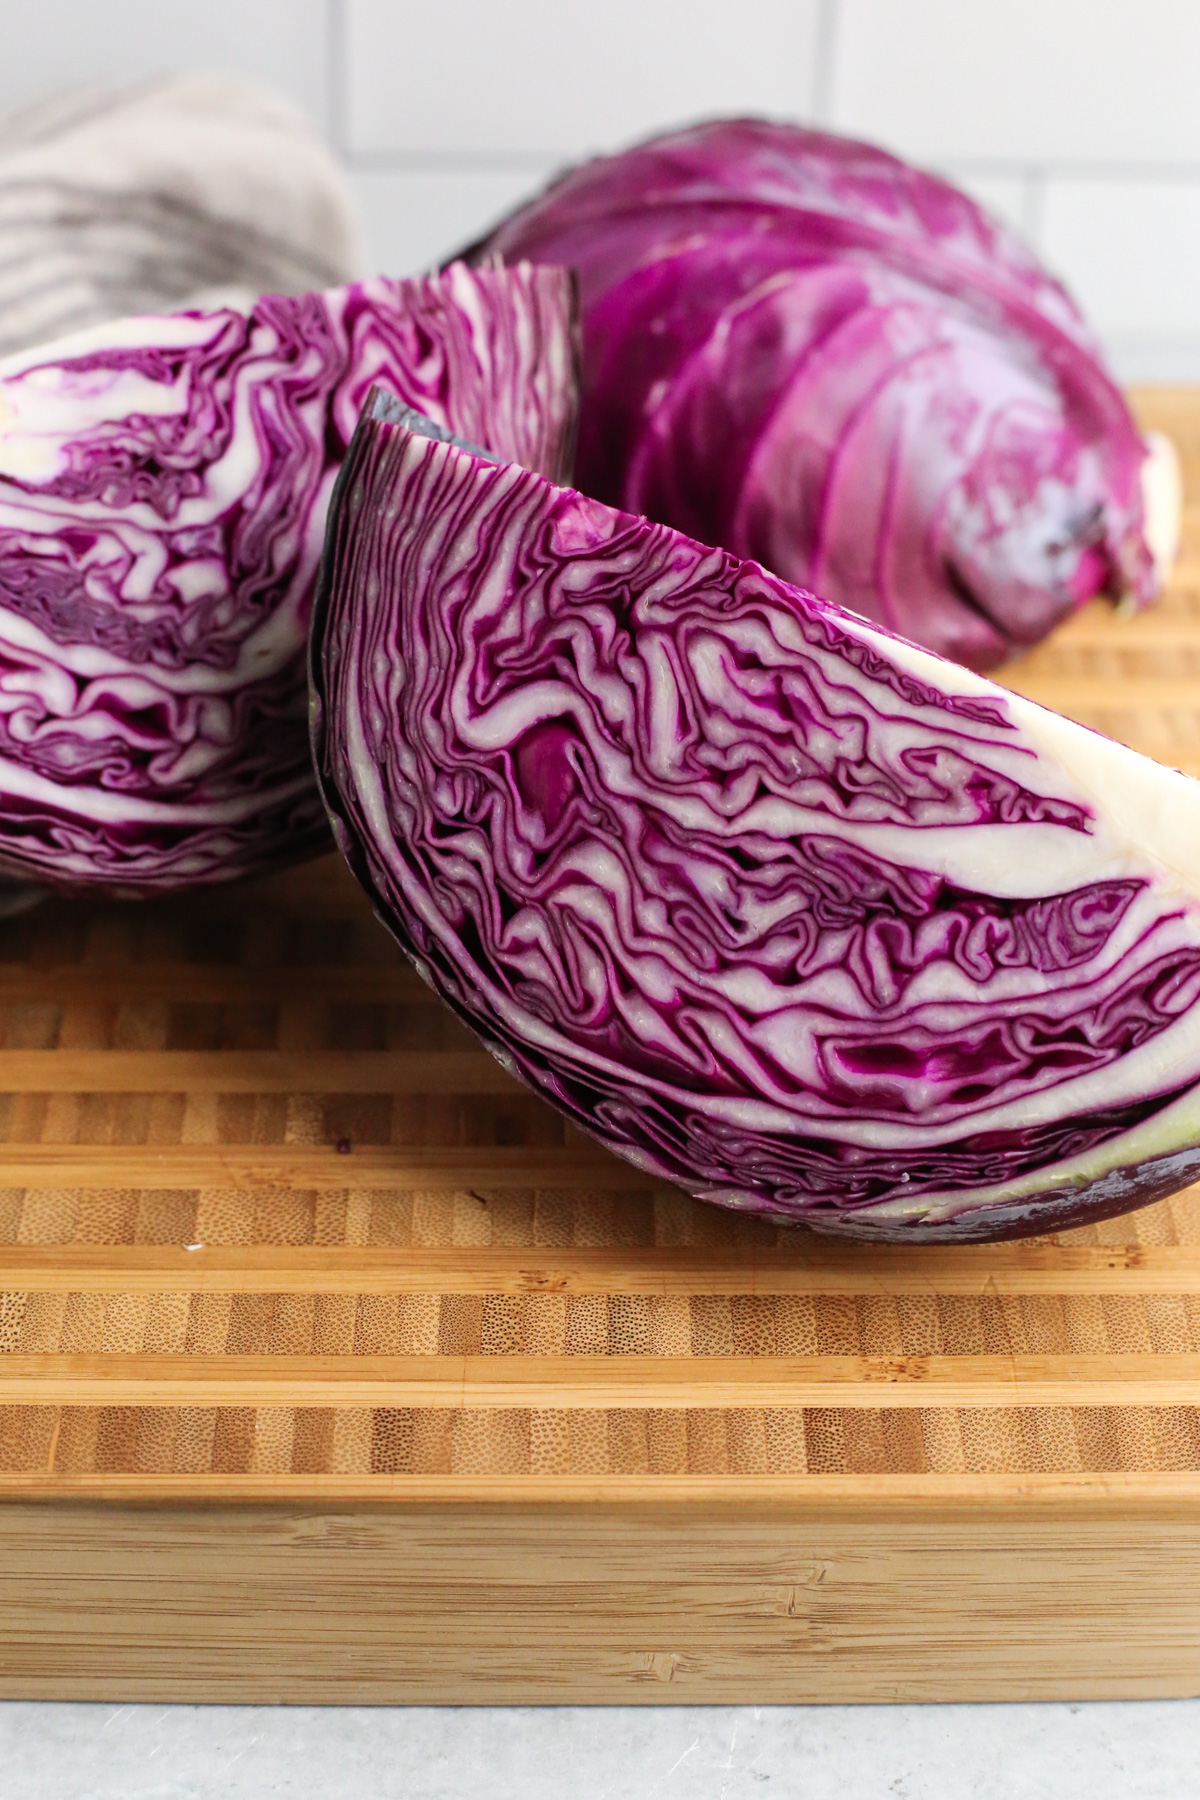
x,y
1079,119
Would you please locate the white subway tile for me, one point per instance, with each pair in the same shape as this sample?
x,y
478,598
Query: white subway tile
x,y
416,219
50,44
1006,196
560,78
1129,250
1176,361
1029,80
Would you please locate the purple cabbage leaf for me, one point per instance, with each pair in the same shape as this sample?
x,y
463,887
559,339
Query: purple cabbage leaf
x,y
801,348
164,483
776,906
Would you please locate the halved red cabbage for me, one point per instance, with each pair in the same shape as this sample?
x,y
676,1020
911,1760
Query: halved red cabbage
x,y
776,906
799,347
163,489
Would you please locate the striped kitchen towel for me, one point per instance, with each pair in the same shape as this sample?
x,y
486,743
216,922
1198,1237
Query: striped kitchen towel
x,y
177,191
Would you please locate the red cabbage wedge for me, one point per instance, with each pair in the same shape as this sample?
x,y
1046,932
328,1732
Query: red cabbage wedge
x,y
799,347
164,483
777,906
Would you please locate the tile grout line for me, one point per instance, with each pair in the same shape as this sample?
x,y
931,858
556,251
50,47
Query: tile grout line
x,y
1033,207
336,94
824,57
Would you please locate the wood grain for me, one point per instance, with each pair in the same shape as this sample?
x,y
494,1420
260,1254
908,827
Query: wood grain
x,y
599,1383
313,1167
1111,1495
806,1267
251,1072
214,985
596,1602
1104,628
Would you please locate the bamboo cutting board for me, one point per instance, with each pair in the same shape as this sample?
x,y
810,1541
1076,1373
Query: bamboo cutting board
x,y
333,1366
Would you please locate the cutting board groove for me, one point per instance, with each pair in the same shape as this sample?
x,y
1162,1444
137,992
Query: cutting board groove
x,y
990,1269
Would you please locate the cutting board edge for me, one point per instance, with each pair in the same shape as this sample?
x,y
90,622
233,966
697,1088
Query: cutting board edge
x,y
597,1603
885,1496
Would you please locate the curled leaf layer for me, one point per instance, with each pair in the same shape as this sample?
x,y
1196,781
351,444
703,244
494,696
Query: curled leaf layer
x,y
163,490
776,906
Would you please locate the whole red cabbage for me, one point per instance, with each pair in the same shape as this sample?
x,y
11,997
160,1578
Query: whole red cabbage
x,y
163,489
775,905
799,347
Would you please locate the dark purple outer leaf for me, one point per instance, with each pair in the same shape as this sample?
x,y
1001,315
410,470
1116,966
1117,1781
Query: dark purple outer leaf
x,y
801,348
163,490
775,906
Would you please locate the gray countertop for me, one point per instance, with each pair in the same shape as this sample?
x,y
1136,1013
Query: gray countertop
x,y
1063,1752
